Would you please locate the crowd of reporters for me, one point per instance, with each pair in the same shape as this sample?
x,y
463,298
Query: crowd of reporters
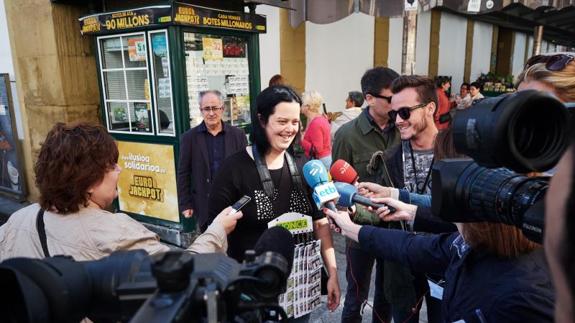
x,y
477,272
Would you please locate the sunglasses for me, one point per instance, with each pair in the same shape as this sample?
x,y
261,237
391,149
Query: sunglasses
x,y
210,109
388,98
553,63
404,112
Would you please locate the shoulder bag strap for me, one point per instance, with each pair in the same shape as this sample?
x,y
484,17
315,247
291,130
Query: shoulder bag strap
x,y
42,231
295,176
264,173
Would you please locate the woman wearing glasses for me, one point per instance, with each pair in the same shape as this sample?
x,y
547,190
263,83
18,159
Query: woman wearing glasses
x,y
554,73
269,174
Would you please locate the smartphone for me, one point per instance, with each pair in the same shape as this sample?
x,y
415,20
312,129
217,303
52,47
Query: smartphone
x,y
240,204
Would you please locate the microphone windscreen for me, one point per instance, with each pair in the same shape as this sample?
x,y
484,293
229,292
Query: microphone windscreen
x,y
315,173
346,193
277,239
342,171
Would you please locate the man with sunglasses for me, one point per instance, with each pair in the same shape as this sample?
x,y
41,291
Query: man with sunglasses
x,y
202,150
408,166
355,142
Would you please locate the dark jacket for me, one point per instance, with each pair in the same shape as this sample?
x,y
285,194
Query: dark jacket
x,y
194,182
480,287
356,141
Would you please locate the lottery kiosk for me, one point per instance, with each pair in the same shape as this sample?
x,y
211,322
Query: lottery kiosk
x,y
153,62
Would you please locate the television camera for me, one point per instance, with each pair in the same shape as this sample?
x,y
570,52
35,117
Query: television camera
x,y
176,286
507,137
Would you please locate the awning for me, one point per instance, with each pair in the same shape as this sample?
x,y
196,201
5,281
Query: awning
x,y
557,16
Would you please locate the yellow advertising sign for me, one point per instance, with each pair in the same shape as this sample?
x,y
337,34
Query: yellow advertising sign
x,y
147,183
213,49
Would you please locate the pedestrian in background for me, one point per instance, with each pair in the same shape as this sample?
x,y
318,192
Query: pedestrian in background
x,y
353,104
316,141
355,142
202,151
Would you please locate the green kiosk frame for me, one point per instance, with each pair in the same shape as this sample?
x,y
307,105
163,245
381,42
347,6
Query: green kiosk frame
x,y
153,62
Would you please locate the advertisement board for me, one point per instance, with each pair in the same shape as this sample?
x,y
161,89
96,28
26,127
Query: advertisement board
x,y
11,179
147,184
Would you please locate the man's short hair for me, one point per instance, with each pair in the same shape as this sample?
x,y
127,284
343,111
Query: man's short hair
x,y
476,85
466,85
215,92
423,85
356,97
376,79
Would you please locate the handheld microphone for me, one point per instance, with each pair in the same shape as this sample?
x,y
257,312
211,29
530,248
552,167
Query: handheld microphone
x,y
324,192
348,196
342,171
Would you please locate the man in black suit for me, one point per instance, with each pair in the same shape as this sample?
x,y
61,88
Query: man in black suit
x,y
202,150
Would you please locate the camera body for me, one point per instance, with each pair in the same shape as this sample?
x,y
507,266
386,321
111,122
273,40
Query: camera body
x,y
130,285
503,134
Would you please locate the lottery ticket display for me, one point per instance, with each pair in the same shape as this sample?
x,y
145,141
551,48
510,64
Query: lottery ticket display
x,y
215,62
303,293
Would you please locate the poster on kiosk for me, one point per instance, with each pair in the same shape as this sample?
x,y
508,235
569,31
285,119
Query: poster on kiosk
x,y
153,63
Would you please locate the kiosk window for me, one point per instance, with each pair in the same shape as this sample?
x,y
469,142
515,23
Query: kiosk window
x,y
124,64
161,74
216,62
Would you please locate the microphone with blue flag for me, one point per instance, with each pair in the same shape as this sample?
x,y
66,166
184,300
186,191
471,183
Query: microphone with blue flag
x,y
317,177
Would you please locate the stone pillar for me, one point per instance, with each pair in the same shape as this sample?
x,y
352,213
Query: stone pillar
x,y
292,51
381,42
55,72
409,38
537,38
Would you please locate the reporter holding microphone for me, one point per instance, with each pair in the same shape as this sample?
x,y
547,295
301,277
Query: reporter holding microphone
x,y
492,272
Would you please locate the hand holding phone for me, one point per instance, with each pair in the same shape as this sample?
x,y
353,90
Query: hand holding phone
x,y
240,204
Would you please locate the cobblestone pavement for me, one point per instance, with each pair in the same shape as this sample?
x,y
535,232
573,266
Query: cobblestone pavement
x,y
323,315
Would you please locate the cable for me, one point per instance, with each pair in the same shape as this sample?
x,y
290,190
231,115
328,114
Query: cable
x,y
365,302
416,308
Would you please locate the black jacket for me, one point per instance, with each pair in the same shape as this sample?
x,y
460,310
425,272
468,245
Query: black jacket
x,y
194,182
480,287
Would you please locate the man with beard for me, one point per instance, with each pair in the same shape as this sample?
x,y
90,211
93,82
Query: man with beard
x,y
408,166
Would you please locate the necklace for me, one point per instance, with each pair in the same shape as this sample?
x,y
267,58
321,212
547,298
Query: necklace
x,y
417,190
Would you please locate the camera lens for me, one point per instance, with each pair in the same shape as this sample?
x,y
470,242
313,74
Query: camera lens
x,y
536,136
463,191
525,131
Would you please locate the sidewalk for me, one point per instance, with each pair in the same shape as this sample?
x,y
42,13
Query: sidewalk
x,y
323,315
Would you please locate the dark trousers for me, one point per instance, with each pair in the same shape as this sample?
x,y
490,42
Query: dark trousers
x,y
410,314
358,275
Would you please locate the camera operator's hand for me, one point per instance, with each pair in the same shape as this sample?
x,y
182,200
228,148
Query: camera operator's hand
x,y
368,189
346,226
228,221
405,212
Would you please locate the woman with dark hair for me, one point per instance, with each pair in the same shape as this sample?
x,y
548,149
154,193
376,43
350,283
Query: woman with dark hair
x,y
268,173
77,175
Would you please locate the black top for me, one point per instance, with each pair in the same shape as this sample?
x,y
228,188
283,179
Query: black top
x,y
238,176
